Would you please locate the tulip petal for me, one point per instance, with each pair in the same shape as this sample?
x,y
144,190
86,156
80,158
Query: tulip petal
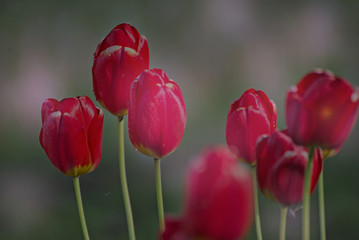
x,y
75,156
318,161
313,81
95,138
288,178
49,139
143,51
297,118
243,130
88,110
72,107
49,106
268,151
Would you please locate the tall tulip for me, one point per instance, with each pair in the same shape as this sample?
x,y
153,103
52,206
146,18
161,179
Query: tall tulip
x,y
119,58
71,136
218,199
321,111
157,114
249,117
156,120
280,167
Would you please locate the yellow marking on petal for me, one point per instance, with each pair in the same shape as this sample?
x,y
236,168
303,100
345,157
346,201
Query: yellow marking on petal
x,y
293,89
122,113
110,50
130,51
269,195
146,151
326,112
159,85
55,114
170,85
328,72
318,70
80,170
328,153
103,105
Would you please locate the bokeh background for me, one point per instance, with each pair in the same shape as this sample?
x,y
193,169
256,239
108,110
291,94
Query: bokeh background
x,y
215,50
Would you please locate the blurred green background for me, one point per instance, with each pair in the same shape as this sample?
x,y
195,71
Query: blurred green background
x,y
214,49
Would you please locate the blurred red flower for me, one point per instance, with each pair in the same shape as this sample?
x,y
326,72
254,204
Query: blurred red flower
x,y
321,110
218,201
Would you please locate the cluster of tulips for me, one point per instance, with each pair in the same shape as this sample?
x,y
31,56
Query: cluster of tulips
x,y
221,197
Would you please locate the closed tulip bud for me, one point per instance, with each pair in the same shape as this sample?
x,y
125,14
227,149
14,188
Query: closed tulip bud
x,y
249,117
119,58
157,114
219,200
71,134
321,110
281,165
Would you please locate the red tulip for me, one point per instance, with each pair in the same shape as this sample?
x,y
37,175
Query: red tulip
x,y
174,229
281,166
71,134
218,202
321,110
119,58
249,117
157,114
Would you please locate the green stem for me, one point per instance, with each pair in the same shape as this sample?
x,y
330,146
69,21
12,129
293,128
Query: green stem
x,y
321,206
306,196
126,195
256,207
80,207
161,217
283,221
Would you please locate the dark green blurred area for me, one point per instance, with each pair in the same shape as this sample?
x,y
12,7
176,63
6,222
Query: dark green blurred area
x,y
214,50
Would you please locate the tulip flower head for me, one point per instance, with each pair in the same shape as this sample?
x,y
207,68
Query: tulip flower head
x,y
157,114
321,110
71,134
219,197
281,165
249,117
119,58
